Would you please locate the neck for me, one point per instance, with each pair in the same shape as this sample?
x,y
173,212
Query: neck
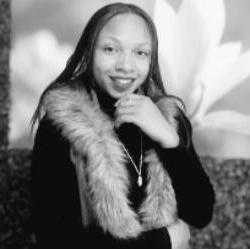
x,y
107,103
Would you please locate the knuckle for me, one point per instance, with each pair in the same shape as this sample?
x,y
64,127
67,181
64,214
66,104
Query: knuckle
x,y
146,100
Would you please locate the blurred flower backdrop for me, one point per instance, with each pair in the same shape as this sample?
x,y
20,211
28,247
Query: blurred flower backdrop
x,y
204,57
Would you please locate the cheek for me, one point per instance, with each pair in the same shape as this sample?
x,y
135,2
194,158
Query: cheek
x,y
102,63
144,68
101,68
98,64
143,71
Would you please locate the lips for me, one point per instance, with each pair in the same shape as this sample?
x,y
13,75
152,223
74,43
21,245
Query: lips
x,y
122,83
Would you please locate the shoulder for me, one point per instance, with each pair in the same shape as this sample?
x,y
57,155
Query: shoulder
x,y
49,135
47,128
62,98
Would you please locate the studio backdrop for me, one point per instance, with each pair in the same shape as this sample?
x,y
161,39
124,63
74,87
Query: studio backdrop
x,y
204,58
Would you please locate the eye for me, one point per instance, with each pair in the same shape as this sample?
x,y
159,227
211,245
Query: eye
x,y
143,53
110,49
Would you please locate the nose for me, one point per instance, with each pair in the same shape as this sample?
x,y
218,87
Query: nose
x,y
125,63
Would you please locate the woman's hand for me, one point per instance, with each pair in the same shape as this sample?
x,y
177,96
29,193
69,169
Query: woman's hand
x,y
179,234
141,111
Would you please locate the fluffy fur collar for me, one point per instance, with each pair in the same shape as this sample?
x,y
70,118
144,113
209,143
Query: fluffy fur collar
x,y
99,160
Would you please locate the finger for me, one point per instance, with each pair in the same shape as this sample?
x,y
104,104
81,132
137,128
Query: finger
x,y
124,100
129,99
126,110
125,118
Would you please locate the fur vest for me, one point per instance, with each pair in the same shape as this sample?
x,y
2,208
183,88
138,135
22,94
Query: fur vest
x,y
100,165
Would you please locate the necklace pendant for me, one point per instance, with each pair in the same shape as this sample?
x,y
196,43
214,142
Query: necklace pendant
x,y
139,181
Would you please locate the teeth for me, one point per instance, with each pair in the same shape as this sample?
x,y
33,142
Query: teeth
x,y
123,81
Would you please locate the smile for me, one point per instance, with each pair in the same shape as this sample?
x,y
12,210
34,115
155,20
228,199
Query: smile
x,y
122,80
122,83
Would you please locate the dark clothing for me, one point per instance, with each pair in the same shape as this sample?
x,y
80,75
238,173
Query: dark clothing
x,y
57,214
55,193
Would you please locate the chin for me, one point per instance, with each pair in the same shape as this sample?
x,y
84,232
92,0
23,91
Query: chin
x,y
117,95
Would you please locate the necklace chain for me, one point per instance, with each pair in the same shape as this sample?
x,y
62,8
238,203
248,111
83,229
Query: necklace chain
x,y
138,171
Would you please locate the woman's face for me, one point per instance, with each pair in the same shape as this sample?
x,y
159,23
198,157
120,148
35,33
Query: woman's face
x,y
122,55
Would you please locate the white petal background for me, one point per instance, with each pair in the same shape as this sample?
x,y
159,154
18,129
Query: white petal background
x,y
204,55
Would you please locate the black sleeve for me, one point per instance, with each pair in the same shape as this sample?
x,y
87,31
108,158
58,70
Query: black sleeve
x,y
156,238
55,201
56,204
194,191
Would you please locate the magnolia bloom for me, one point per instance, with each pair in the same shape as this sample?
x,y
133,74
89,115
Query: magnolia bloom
x,y
201,70
35,60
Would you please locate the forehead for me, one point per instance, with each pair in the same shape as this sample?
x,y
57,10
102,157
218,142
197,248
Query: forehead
x,y
128,28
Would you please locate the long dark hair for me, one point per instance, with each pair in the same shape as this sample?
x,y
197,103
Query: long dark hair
x,y
78,71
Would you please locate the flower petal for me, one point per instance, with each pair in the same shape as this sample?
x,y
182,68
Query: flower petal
x,y
218,60
217,63
185,40
42,57
225,120
229,77
35,61
222,144
165,21
201,25
211,16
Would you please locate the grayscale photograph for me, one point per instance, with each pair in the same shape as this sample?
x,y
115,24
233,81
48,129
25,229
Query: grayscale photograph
x,y
124,124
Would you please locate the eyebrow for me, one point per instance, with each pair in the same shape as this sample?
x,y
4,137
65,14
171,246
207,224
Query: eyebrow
x,y
117,41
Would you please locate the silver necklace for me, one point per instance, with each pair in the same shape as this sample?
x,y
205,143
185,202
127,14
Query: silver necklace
x,y
138,171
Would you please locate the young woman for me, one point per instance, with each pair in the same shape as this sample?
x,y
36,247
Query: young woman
x,y
113,161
